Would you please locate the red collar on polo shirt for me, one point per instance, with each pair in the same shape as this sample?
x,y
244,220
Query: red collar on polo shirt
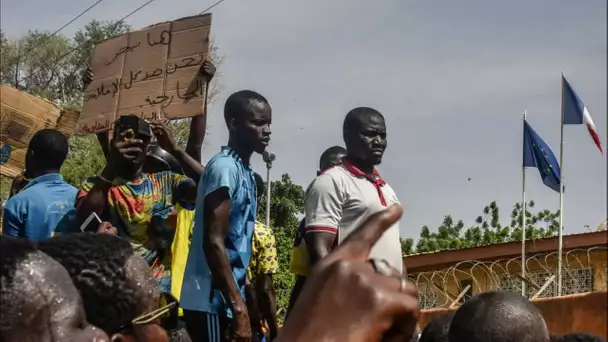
x,y
374,178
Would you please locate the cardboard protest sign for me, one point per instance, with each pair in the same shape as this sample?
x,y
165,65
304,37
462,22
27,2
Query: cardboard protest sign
x,y
152,73
22,115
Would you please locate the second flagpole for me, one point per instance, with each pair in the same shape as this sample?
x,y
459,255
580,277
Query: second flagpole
x,y
523,215
561,198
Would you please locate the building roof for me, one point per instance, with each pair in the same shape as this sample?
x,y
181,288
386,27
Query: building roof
x,y
437,260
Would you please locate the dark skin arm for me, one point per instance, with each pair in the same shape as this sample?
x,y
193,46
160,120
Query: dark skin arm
x,y
192,167
319,245
104,142
94,201
198,125
267,303
216,211
255,317
97,198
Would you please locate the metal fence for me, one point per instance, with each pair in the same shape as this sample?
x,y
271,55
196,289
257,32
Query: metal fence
x,y
445,288
449,287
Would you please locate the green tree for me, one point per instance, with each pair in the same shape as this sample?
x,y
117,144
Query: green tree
x,y
286,206
86,157
53,68
487,230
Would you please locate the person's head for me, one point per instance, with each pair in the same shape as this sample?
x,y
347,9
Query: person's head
x,y
580,337
331,157
437,329
129,127
159,160
46,152
498,316
364,133
39,300
115,283
259,185
248,117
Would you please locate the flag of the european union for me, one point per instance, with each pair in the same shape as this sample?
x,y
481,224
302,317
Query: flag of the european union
x,y
537,154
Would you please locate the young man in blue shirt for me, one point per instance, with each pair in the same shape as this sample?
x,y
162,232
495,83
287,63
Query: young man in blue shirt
x,y
47,199
214,281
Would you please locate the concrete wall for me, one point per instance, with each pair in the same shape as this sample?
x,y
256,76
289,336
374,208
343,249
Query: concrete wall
x,y
574,313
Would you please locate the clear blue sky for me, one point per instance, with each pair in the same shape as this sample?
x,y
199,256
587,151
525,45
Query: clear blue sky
x,y
451,77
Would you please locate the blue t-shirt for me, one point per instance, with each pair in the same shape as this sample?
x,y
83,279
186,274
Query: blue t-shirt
x,y
36,211
224,170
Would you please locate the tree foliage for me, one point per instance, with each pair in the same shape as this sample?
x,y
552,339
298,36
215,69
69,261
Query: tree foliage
x,y
286,206
52,67
487,230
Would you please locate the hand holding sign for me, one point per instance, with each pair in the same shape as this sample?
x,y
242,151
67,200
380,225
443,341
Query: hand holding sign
x,y
163,136
155,73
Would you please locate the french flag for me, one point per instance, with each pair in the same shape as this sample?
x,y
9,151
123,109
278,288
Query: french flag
x,y
574,112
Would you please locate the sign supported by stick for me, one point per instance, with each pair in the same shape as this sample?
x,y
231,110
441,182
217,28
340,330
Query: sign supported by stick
x,y
22,115
153,73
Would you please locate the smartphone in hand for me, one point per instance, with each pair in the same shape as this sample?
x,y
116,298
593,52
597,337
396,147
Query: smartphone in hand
x,y
91,223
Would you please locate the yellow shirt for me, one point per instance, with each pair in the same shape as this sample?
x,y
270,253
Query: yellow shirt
x,y
264,258
299,263
180,248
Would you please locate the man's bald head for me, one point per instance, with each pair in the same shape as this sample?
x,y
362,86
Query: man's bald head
x,y
498,316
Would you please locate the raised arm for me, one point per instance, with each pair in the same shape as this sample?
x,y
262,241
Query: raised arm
x,y
93,195
198,125
191,167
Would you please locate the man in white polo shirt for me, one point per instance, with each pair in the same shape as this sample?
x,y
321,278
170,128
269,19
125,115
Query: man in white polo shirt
x,y
342,197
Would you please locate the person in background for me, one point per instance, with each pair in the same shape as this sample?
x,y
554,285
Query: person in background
x,y
39,300
47,200
343,196
498,316
214,281
299,261
137,203
119,293
437,329
261,298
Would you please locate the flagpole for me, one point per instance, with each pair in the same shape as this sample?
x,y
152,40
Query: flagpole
x,y
561,198
523,216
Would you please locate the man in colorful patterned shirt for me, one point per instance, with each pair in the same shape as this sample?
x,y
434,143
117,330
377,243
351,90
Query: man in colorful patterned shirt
x,y
261,298
134,202
213,289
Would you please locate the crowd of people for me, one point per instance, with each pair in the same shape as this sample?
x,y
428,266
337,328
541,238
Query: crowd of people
x,y
158,247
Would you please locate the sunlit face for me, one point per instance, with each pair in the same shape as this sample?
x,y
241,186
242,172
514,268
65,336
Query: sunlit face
x,y
367,141
253,126
48,306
